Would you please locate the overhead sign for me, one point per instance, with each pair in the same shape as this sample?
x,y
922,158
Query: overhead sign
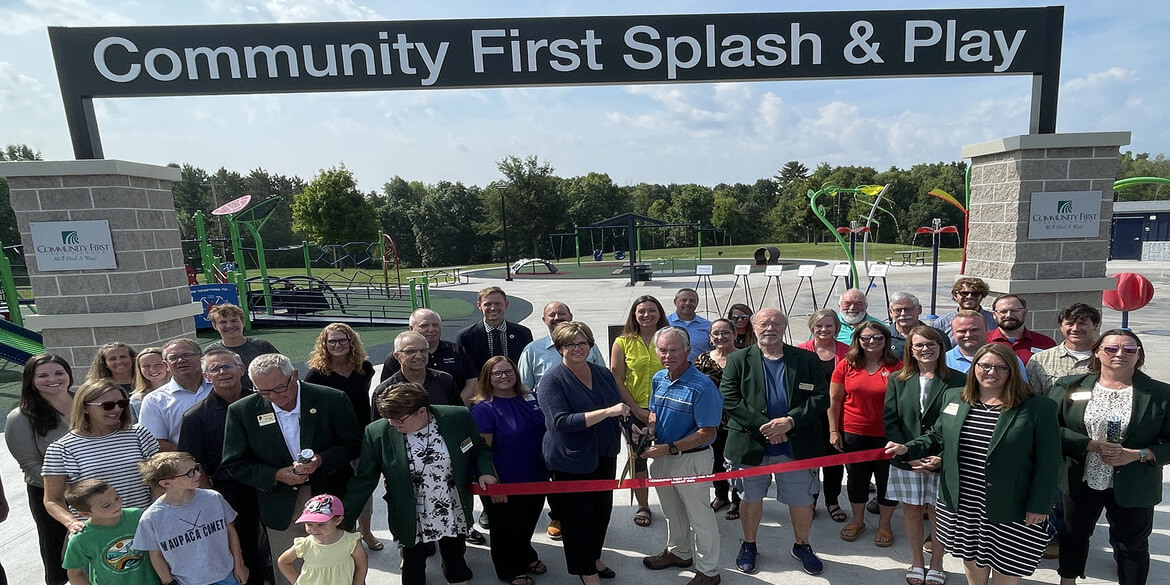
x,y
508,52
1065,214
72,245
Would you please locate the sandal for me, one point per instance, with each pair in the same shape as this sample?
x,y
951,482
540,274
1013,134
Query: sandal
x,y
537,567
373,543
719,504
916,576
836,513
883,538
642,517
852,531
934,577
523,580
732,512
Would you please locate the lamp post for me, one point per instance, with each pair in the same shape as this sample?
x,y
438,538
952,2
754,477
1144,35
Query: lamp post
x,y
499,186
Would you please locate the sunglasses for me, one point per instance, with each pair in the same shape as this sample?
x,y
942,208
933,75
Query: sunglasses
x,y
110,404
874,337
1128,349
740,317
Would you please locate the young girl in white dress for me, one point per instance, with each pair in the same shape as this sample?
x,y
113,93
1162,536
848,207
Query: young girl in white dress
x,y
331,555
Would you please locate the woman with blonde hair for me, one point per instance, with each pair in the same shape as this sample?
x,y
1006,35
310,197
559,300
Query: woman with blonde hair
x,y
1000,449
114,360
150,373
338,361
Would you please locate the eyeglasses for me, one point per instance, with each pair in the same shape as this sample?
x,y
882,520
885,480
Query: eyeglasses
x,y
988,368
900,310
409,351
277,390
337,342
576,345
967,293
869,338
176,357
191,473
927,345
722,333
504,374
740,317
402,421
221,368
1128,349
110,404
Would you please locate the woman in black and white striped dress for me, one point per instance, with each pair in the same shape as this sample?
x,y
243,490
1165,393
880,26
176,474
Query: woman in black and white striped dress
x,y
1000,449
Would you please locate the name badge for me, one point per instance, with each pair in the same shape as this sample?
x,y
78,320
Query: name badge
x,y
1036,350
1082,395
805,386
465,446
530,397
951,409
266,419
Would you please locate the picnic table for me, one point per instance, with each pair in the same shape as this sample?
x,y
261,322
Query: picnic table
x,y
913,257
444,275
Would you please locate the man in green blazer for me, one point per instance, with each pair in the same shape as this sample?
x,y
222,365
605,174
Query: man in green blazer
x,y
266,433
775,395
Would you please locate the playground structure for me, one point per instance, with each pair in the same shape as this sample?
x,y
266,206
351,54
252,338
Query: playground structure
x,y
356,299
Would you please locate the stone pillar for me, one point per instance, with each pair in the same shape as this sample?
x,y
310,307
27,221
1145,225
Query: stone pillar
x,y
145,300
1048,273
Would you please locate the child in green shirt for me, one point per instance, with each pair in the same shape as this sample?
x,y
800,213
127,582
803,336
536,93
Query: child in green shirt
x,y
104,545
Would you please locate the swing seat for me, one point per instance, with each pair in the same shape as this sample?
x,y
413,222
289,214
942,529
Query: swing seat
x,y
598,255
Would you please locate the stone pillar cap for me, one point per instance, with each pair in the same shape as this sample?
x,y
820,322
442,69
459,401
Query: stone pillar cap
x,y
1030,141
103,166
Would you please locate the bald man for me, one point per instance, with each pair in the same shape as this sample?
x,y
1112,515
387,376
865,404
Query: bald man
x,y
540,356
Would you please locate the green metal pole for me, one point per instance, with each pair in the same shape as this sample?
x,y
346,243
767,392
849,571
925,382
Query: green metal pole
x,y
413,294
638,253
577,246
700,244
242,292
237,248
308,266
10,294
263,266
206,254
426,292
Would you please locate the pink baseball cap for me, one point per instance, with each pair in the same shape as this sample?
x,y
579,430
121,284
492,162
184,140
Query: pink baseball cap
x,y
321,508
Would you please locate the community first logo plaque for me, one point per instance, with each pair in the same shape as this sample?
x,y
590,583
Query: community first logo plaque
x,y
72,245
1065,214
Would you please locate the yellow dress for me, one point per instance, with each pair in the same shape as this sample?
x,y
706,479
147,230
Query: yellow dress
x,y
326,564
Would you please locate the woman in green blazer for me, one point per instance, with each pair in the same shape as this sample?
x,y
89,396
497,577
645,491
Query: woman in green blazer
x,y
1116,469
427,455
1000,450
914,399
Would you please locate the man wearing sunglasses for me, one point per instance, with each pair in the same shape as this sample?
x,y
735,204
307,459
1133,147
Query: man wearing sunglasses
x,y
268,439
202,437
969,292
1010,313
162,410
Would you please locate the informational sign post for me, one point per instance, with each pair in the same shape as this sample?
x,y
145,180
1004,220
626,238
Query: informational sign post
x,y
72,245
1065,214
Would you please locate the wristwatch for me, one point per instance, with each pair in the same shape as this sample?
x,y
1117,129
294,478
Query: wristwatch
x,y
1143,455
674,449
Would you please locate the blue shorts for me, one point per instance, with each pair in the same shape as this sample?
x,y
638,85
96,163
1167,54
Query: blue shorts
x,y
793,488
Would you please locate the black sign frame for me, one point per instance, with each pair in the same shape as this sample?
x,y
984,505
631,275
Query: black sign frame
x,y
103,62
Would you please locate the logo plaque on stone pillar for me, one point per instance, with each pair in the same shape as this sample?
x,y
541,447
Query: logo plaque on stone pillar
x,y
1065,214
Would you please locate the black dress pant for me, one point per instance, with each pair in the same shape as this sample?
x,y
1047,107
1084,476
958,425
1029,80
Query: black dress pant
x,y
51,536
584,518
859,473
832,476
451,549
722,486
1129,530
512,525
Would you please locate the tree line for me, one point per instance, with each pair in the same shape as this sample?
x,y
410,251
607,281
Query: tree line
x,y
445,223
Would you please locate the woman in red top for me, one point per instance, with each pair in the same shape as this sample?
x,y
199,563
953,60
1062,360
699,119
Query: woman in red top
x,y
858,394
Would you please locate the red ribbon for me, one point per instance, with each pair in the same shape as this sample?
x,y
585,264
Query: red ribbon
x,y
605,485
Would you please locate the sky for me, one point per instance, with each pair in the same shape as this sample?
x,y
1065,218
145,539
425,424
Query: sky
x,y
1113,78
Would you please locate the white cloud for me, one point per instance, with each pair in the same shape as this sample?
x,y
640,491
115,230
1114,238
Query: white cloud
x,y
296,10
1099,81
34,16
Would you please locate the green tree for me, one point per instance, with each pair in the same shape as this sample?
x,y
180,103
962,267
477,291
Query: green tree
x,y
9,232
442,222
535,207
1142,165
331,210
395,210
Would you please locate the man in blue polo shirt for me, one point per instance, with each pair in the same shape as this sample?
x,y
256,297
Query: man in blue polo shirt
x,y
698,329
685,409
970,331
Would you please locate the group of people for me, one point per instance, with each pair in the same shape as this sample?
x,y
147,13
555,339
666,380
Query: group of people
x,y
999,436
